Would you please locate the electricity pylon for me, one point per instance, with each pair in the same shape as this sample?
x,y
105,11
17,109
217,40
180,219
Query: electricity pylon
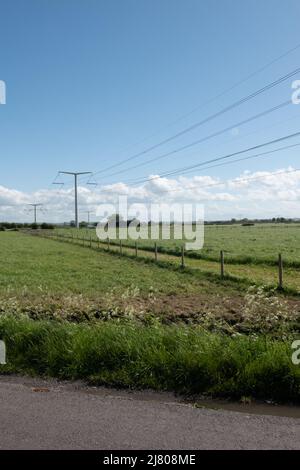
x,y
34,209
88,214
75,174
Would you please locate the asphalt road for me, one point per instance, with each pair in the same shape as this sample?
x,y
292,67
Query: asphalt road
x,y
37,414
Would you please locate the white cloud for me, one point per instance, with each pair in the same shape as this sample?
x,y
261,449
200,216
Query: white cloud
x,y
257,194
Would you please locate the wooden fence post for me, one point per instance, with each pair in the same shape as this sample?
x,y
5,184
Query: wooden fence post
x,y
222,264
108,247
136,249
155,251
182,257
280,271
121,251
90,241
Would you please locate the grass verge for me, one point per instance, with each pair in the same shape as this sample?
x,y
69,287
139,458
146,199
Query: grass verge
x,y
180,358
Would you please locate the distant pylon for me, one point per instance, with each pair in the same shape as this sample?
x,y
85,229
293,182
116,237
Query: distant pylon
x,y
75,174
35,205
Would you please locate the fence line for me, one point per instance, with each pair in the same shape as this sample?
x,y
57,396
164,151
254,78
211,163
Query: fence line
x,y
280,271
222,264
182,257
78,240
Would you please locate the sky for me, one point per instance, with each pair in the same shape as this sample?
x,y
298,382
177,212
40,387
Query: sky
x,y
90,83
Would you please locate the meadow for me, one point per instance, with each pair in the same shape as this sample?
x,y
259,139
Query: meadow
x,y
250,252
74,311
36,265
257,244
45,275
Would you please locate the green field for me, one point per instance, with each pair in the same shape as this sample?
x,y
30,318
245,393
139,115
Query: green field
x,y
40,271
260,243
74,311
251,253
83,276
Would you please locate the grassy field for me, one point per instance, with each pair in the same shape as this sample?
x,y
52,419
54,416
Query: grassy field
x,y
258,244
70,311
40,271
249,269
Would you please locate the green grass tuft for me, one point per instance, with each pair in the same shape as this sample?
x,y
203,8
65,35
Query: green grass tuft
x,y
127,354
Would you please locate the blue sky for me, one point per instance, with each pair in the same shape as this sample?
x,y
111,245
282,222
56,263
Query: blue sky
x,y
91,82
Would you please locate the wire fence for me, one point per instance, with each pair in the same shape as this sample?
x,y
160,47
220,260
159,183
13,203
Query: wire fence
x,y
151,252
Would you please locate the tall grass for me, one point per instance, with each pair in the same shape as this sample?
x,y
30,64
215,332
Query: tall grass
x,y
180,358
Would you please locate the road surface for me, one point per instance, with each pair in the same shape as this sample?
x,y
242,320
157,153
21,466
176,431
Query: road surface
x,y
40,414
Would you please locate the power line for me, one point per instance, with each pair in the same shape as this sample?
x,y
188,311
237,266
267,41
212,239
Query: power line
x,y
228,181
207,119
197,165
280,122
270,152
137,180
232,181
234,161
261,129
219,95
203,139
